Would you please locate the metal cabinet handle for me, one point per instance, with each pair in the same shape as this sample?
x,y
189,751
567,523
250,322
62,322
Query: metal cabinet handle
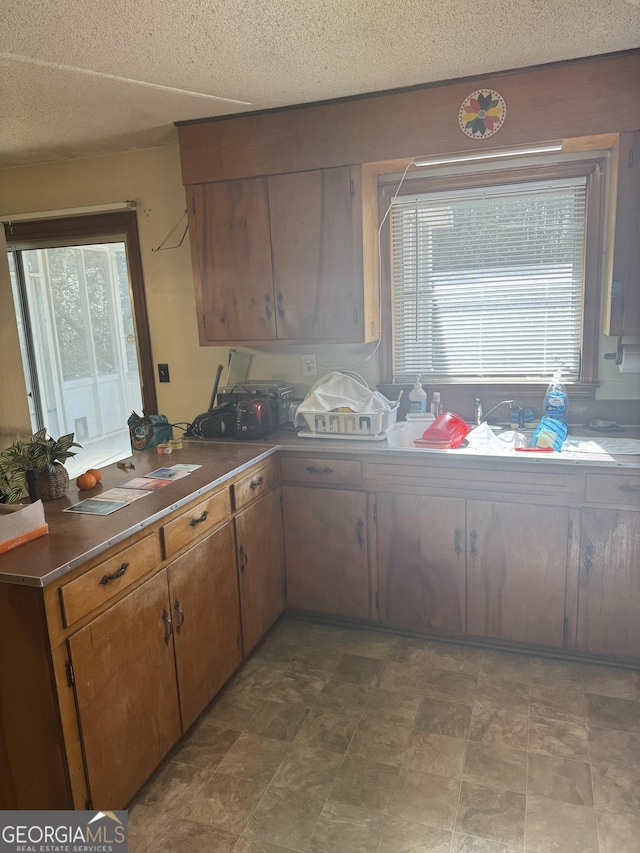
x,y
106,578
473,536
359,528
280,306
588,564
244,559
457,538
312,469
168,627
255,483
180,613
628,488
199,520
267,307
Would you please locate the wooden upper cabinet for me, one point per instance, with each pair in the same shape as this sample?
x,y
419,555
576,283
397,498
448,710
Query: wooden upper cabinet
x,y
622,305
317,249
281,258
231,254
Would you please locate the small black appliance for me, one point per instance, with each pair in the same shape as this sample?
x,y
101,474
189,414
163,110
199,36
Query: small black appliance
x,y
255,418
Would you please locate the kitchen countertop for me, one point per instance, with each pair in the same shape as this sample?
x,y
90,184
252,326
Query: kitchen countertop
x,y
75,538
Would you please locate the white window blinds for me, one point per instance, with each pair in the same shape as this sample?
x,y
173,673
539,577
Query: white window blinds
x,y
488,282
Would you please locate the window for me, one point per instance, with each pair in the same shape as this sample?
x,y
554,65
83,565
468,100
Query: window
x,y
493,277
79,303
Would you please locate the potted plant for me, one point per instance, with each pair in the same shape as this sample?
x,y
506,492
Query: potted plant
x,y
39,460
13,465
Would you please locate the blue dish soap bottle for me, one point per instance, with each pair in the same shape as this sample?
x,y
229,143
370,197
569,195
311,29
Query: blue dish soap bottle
x,y
555,400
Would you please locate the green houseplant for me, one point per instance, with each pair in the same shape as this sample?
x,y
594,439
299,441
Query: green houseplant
x,y
42,455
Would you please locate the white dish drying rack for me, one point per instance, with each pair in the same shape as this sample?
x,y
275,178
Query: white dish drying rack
x,y
370,426
348,424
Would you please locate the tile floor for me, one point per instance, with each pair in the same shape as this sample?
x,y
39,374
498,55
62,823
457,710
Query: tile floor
x,y
336,740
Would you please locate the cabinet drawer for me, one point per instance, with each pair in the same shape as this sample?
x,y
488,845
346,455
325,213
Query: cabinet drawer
x,y
257,482
613,489
195,521
321,470
85,593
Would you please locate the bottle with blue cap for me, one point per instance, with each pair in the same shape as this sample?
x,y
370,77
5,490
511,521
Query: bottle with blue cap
x,y
555,400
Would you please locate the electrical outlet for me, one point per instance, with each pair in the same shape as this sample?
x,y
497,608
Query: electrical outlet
x,y
163,373
308,364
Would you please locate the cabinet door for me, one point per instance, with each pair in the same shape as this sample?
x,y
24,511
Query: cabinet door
x,y
125,683
609,585
326,552
260,566
516,571
203,590
622,308
231,252
317,259
421,561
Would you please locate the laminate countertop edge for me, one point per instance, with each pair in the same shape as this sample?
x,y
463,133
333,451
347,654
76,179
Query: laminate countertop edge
x,y
219,461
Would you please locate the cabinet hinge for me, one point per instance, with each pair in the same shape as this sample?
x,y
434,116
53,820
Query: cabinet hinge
x,y
630,158
352,188
375,514
71,678
193,205
565,631
204,321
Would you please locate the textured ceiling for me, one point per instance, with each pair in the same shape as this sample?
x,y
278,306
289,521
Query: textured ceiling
x,y
84,77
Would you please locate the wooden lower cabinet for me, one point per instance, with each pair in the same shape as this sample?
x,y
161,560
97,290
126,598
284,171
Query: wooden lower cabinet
x,y
205,610
516,571
260,566
609,584
326,550
125,685
146,667
421,561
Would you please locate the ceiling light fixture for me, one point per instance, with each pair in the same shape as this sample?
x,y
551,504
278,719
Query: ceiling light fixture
x,y
488,155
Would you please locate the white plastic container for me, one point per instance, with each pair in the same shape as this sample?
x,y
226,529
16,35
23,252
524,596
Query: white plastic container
x,y
418,423
398,435
436,404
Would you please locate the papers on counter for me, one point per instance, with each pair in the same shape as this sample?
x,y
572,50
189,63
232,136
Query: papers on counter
x,y
133,490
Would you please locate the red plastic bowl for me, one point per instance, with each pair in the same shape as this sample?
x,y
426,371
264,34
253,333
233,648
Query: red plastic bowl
x,y
446,432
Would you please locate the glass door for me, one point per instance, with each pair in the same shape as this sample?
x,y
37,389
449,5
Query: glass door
x,y
78,342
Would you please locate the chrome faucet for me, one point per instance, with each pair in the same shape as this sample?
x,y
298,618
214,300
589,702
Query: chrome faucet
x,y
491,411
480,418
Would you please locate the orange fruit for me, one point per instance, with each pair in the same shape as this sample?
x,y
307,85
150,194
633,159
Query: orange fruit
x,y
96,473
86,481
